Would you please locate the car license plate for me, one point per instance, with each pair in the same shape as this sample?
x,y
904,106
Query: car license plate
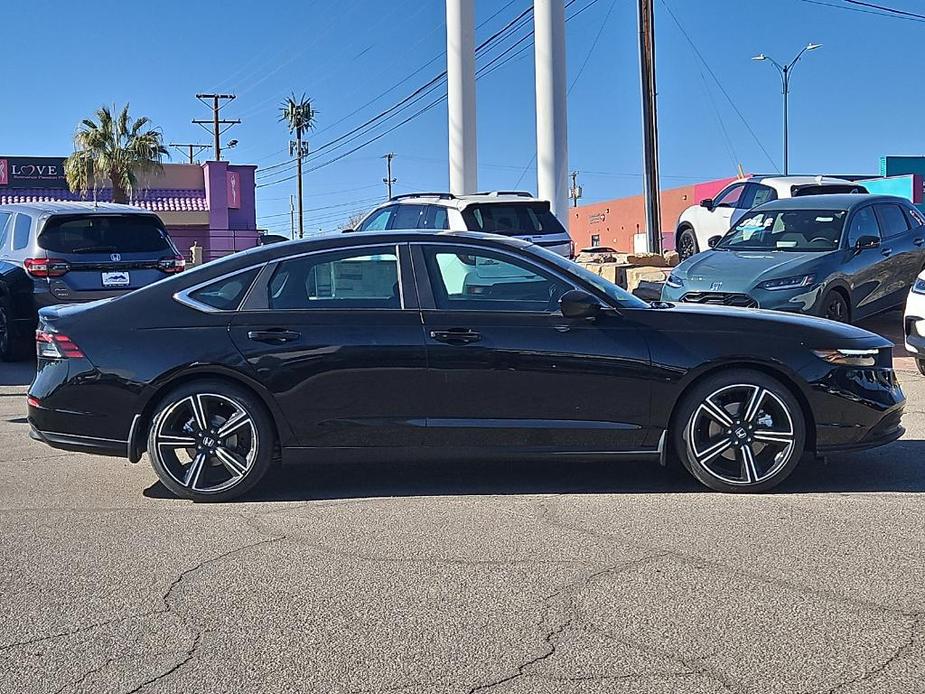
x,y
116,279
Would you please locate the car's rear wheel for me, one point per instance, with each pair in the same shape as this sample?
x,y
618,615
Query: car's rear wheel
x,y
210,441
835,307
740,431
12,347
686,245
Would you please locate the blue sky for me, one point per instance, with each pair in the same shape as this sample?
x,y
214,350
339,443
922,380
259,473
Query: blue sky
x,y
853,100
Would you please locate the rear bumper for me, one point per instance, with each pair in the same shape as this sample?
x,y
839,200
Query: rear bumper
x,y
79,444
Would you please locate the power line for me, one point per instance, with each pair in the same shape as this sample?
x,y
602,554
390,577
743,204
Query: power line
x,y
875,13
884,8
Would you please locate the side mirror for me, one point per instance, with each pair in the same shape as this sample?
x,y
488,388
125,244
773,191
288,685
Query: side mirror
x,y
713,241
708,203
867,242
578,304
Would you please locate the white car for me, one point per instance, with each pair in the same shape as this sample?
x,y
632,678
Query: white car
x,y
914,322
507,213
715,216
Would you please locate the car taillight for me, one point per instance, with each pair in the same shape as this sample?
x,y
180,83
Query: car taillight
x,y
46,267
56,346
173,264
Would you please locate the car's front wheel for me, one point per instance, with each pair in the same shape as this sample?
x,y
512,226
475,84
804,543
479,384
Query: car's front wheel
x,y
835,307
210,441
740,431
12,347
686,245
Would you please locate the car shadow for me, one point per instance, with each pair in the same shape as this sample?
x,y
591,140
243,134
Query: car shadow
x,y
17,373
893,468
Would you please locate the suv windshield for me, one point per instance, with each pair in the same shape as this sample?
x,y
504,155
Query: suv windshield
x,y
104,234
512,219
786,230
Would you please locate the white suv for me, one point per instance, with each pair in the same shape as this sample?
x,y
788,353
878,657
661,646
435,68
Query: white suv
x,y
500,212
715,216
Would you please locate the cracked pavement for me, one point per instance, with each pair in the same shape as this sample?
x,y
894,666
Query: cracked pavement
x,y
503,578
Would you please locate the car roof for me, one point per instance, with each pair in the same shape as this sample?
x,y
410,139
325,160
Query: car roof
x,y
801,180
70,207
838,201
462,201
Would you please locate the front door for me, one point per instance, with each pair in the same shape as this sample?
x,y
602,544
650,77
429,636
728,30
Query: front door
x,y
336,337
506,369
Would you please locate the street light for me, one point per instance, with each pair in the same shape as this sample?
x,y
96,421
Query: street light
x,y
785,71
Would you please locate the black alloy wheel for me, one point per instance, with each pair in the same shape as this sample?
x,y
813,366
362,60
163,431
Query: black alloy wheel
x,y
834,307
210,441
743,431
686,245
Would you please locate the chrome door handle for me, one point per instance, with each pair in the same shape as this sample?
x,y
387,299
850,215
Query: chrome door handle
x,y
886,252
277,335
918,241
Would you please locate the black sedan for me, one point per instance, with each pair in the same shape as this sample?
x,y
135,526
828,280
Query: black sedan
x,y
433,345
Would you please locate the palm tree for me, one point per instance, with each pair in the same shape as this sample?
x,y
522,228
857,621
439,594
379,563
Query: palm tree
x,y
299,115
114,148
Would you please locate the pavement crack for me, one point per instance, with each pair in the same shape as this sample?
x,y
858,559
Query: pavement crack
x,y
188,656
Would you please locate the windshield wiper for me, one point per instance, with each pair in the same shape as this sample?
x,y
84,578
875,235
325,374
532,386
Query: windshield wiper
x,y
95,249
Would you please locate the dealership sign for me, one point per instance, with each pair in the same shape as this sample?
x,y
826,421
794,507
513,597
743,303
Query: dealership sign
x,y
32,172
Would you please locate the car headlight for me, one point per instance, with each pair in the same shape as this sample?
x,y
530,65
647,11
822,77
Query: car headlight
x,y
919,286
848,357
787,283
674,281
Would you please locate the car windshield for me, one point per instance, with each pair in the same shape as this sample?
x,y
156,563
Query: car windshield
x,y
511,219
786,230
104,234
622,297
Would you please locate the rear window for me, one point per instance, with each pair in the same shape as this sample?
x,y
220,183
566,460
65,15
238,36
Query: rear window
x,y
512,219
829,189
104,234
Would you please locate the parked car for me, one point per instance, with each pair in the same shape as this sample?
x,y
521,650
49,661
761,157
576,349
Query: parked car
x,y
842,257
715,216
402,344
509,213
67,252
914,322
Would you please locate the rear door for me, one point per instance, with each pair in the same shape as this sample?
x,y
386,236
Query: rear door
x,y
903,255
336,336
106,254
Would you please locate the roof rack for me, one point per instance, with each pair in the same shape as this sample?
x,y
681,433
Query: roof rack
x,y
442,196
496,193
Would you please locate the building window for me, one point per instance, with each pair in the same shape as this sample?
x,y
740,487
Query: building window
x,y
595,240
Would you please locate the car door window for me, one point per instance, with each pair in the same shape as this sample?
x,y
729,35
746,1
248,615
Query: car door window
x,y
354,279
21,227
466,280
4,218
407,217
435,217
378,221
730,197
892,220
863,223
757,195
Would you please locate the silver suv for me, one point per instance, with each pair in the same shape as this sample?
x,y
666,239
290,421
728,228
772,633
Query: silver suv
x,y
65,252
509,213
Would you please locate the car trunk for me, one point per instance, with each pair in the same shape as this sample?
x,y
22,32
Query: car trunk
x,y
100,255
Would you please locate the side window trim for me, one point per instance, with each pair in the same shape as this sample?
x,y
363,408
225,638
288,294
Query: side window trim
x,y
425,286
183,296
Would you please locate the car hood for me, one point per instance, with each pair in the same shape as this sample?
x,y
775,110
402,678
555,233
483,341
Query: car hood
x,y
744,269
726,320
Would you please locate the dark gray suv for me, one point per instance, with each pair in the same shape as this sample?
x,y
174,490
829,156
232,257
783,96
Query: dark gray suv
x,y
65,252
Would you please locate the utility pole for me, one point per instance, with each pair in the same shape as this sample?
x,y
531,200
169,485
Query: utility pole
x,y
575,191
388,180
460,101
551,112
650,124
299,149
291,217
216,123
182,147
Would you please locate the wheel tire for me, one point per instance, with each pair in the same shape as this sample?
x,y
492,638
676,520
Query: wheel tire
x,y
835,307
686,244
920,365
11,348
247,449
715,454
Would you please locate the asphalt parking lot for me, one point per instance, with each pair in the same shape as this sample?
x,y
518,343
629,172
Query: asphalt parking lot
x,y
464,578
